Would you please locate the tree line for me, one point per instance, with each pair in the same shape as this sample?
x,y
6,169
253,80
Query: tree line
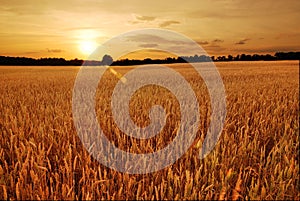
x,y
108,60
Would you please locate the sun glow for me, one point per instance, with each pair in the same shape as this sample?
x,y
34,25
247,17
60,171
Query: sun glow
x,y
87,40
87,46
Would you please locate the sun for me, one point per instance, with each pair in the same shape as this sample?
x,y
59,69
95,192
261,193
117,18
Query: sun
x,y
87,46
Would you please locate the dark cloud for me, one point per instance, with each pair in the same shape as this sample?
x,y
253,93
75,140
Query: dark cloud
x,y
55,50
218,41
168,23
242,42
150,45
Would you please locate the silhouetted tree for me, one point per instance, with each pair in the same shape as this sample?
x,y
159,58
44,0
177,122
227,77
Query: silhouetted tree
x,y
107,60
221,58
287,55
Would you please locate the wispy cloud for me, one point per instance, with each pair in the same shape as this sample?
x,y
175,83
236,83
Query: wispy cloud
x,y
215,48
242,42
54,50
142,19
145,18
168,23
164,42
218,41
155,39
202,42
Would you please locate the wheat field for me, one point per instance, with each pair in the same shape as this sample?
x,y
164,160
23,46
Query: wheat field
x,y
256,157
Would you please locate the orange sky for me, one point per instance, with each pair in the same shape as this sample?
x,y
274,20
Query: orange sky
x,y
72,28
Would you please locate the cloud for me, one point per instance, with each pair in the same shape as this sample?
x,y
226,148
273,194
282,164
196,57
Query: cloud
x,y
242,42
155,39
145,18
148,19
164,42
188,50
149,45
202,42
55,50
142,19
215,48
168,23
214,14
218,41
134,22
146,38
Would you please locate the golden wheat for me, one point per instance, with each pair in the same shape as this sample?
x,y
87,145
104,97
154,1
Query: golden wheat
x,y
41,156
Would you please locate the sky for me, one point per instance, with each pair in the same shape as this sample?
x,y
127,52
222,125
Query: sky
x,y
74,28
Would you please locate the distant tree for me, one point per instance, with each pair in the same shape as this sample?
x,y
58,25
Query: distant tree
x,y
203,58
269,57
256,57
107,60
243,57
221,58
147,61
170,60
287,55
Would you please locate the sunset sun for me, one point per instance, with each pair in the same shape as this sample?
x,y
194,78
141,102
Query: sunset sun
x,y
87,46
